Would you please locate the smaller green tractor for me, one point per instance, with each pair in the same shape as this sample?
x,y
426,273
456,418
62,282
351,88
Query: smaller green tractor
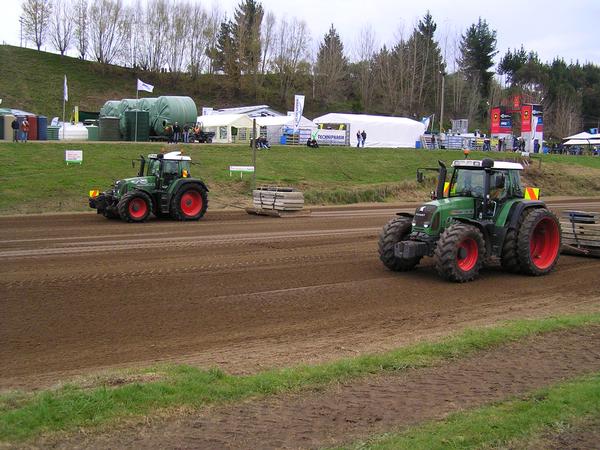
x,y
163,187
482,212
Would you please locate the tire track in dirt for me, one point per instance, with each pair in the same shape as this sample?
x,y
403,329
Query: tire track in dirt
x,y
350,411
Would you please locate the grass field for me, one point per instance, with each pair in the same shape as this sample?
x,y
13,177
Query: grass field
x,y
34,177
25,415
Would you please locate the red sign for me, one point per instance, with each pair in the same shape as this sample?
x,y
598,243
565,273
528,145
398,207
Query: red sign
x,y
526,119
516,102
495,118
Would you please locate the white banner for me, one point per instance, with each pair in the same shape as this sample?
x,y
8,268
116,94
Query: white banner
x,y
298,110
331,137
74,156
207,111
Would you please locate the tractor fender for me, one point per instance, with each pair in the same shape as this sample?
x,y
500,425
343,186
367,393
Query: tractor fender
x,y
407,215
180,183
518,209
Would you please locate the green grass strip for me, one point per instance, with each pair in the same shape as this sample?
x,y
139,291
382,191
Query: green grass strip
x,y
71,407
513,422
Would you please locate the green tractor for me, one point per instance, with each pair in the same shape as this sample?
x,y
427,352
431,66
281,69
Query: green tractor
x,y
482,212
163,187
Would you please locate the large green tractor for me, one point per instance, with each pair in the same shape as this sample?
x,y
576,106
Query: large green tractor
x,y
482,212
163,186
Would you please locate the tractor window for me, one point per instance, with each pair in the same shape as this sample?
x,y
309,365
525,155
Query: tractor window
x,y
467,183
153,168
170,167
185,166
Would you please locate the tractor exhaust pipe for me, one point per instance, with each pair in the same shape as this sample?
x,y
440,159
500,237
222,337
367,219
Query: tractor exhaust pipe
x,y
439,193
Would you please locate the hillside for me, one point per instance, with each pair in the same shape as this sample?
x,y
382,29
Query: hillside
x,y
33,81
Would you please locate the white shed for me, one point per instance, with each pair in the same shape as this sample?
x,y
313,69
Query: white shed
x,y
382,131
228,128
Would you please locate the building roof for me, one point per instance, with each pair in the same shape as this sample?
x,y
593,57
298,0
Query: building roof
x,y
252,111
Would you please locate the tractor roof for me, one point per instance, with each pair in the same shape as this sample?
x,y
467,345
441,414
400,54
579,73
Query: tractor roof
x,y
173,156
477,164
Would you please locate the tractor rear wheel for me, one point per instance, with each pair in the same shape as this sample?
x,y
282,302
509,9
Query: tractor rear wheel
x,y
460,253
189,203
510,258
394,231
538,243
135,206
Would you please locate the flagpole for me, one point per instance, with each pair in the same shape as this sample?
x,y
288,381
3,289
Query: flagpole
x,y
137,93
64,103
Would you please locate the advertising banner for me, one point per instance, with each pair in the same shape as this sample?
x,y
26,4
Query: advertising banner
x,y
331,137
298,110
495,117
505,123
526,118
537,112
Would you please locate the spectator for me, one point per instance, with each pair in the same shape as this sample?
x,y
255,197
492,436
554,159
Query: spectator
x,y
312,143
24,130
15,127
358,138
186,133
176,133
363,135
168,128
536,146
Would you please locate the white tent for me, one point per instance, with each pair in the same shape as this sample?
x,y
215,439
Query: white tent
x,y
591,141
583,135
228,128
382,131
273,128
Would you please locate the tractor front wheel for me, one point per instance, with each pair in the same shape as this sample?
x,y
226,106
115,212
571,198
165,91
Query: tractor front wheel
x,y
538,243
459,253
135,206
394,231
190,203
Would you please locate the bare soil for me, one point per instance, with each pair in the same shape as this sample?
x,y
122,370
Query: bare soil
x,y
80,294
348,412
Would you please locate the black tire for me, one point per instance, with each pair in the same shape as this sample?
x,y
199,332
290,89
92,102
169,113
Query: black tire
x,y
509,260
190,203
394,231
135,206
450,262
539,242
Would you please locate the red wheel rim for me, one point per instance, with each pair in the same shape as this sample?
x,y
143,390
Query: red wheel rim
x,y
137,208
191,203
544,244
470,249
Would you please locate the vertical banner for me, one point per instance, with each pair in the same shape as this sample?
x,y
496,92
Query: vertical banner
x,y
505,122
298,109
538,113
526,118
495,117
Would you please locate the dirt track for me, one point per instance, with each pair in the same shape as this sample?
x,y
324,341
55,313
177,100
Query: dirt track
x,y
79,293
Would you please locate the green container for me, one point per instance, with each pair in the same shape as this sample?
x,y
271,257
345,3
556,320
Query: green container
x,y
109,129
92,133
171,109
53,133
143,126
110,109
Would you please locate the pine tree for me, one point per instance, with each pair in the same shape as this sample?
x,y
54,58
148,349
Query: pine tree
x,y
478,48
331,69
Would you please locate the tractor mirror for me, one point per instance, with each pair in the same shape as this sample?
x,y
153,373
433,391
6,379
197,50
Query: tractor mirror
x,y
420,177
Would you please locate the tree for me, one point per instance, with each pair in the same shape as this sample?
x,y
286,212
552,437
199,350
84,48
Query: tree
x,y
224,55
478,48
81,26
107,27
36,20
331,69
61,26
291,46
365,49
267,38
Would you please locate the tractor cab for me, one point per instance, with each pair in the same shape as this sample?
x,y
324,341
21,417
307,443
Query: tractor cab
x,y
165,168
489,183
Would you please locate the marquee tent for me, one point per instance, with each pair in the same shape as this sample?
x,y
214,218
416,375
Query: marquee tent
x,y
228,128
273,128
382,131
584,135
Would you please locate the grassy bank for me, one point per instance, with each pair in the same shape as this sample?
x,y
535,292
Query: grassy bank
x,y
25,415
509,424
34,177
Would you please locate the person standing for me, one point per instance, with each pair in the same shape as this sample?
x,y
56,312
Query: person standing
x,y
24,130
186,133
358,137
15,127
176,133
363,135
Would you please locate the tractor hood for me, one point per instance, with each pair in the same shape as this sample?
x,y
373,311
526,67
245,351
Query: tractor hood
x,y
431,215
136,182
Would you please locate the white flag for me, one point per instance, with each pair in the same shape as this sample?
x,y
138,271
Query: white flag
x,y
141,86
298,109
66,91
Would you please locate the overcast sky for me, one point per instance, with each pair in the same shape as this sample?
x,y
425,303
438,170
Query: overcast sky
x,y
569,29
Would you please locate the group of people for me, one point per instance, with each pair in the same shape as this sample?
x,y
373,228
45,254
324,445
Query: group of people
x,y
361,137
261,143
23,126
177,134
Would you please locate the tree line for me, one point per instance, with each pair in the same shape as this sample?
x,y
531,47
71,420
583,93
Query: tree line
x,y
256,56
